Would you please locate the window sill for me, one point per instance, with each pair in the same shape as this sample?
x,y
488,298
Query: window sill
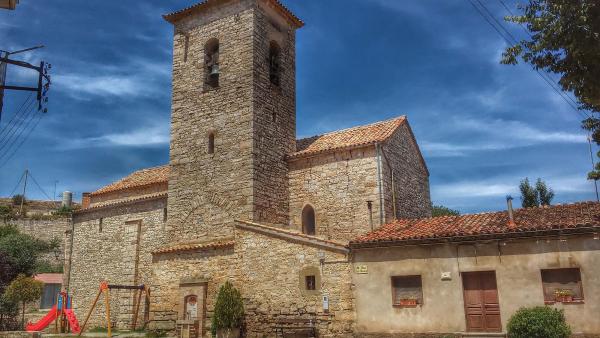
x,y
551,302
398,306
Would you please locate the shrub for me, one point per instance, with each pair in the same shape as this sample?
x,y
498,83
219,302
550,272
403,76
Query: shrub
x,y
18,199
538,322
229,309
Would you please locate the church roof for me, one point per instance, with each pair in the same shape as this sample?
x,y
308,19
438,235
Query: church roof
x,y
139,178
276,4
348,138
528,222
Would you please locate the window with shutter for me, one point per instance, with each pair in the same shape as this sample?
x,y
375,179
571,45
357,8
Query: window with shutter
x,y
407,291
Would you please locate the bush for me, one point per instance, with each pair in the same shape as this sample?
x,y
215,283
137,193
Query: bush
x,y
18,199
229,309
538,322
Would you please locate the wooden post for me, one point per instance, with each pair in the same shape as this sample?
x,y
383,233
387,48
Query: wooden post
x,y
56,313
107,300
137,308
146,307
91,309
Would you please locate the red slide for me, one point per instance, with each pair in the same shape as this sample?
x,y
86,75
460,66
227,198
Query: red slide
x,y
44,322
72,321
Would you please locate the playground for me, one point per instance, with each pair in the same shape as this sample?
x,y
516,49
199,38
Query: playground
x,y
61,320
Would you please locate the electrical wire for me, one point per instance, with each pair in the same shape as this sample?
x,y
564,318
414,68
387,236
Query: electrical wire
x,y
39,187
18,184
26,121
511,40
40,116
17,114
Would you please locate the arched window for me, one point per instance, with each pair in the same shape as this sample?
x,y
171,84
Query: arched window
x,y
211,61
274,63
211,143
308,220
190,307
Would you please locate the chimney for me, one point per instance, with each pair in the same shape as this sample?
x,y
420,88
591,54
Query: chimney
x,y
511,217
370,207
86,199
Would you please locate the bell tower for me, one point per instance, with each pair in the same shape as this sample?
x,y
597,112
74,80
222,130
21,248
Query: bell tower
x,y
233,116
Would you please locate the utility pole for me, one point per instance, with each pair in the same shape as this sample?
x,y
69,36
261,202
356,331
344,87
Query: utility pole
x,y
54,196
23,195
43,69
589,138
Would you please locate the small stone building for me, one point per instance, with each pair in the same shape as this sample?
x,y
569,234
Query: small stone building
x,y
467,275
241,198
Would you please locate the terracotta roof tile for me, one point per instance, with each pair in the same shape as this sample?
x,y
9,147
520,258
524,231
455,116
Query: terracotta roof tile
x,y
174,16
527,220
138,179
49,278
348,138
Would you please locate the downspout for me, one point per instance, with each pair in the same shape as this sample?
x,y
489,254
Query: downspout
x,y
379,183
70,254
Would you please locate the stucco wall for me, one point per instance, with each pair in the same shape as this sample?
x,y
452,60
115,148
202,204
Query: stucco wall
x,y
338,186
119,254
517,267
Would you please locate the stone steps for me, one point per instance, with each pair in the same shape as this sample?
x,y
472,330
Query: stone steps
x,y
483,335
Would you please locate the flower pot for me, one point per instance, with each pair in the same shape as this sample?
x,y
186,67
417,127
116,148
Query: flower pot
x,y
228,333
408,302
568,299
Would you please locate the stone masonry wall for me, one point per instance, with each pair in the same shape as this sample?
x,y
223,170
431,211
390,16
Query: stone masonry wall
x,y
338,186
119,253
47,230
274,117
400,153
267,271
208,191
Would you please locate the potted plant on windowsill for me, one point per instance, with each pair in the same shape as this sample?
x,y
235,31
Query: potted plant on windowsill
x,y
229,312
408,302
563,295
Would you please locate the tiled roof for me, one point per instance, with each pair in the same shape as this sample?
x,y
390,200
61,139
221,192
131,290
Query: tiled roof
x,y
174,16
112,203
292,235
566,218
138,179
186,247
348,138
49,278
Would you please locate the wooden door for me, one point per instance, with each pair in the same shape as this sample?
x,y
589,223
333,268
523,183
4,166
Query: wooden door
x,y
482,308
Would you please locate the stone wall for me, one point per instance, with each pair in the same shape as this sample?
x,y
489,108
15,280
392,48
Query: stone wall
x,y
400,154
49,229
338,186
114,245
267,271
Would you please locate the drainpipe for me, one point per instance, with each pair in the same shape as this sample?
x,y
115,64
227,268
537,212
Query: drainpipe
x,y
379,183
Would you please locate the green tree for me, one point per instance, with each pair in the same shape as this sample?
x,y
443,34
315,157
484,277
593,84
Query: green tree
x,y
229,309
565,40
24,289
440,210
8,310
534,196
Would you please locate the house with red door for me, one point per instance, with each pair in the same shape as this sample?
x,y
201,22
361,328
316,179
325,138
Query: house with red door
x,y
469,274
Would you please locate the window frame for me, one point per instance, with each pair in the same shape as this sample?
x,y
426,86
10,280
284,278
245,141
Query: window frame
x,y
551,299
212,47
308,279
419,301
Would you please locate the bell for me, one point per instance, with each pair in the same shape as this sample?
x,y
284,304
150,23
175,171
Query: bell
x,y
214,70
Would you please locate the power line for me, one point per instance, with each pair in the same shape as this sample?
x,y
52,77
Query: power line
x,y
39,187
514,42
18,184
19,111
40,116
16,125
27,121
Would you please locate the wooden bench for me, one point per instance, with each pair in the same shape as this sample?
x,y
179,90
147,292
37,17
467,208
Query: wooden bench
x,y
295,326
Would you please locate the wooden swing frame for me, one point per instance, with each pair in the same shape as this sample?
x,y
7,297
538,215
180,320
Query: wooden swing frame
x,y
105,288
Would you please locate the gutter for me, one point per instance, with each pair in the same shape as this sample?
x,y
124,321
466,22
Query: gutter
x,y
379,184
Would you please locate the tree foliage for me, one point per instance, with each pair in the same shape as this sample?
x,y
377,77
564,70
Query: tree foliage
x,y
534,196
24,289
440,210
229,309
565,40
538,322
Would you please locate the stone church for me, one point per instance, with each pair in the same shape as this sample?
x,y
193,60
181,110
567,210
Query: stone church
x,y
242,199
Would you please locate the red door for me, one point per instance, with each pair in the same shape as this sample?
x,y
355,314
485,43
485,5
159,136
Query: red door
x,y
482,307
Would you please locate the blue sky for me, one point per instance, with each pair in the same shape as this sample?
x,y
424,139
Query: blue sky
x,y
481,126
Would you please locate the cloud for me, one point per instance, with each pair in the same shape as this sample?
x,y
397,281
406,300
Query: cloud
x,y
156,135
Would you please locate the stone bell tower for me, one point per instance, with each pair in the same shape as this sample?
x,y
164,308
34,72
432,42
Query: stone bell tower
x,y
233,116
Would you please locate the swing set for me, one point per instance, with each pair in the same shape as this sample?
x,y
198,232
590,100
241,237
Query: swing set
x,y
105,288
